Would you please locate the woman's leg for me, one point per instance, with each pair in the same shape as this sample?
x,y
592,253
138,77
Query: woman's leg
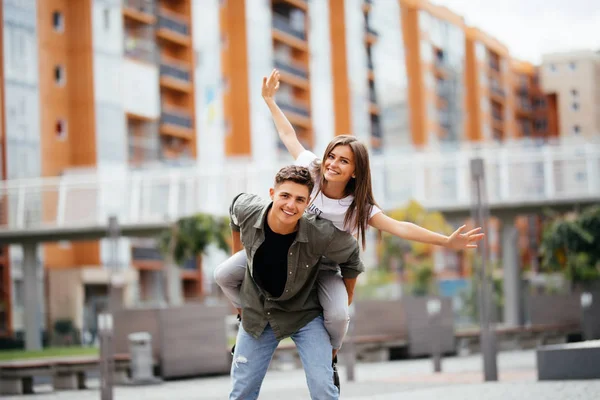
x,y
229,276
334,300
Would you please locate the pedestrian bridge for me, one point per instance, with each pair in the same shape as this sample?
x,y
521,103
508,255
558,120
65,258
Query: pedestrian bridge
x,y
78,203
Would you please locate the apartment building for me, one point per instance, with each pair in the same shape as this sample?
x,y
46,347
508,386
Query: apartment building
x,y
573,78
94,84
114,85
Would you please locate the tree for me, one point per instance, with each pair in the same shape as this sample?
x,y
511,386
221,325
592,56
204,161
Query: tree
x,y
571,243
187,239
413,259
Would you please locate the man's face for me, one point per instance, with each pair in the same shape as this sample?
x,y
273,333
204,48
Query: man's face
x,y
290,199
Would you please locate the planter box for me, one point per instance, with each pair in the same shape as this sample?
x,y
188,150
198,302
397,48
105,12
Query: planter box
x,y
189,340
423,331
554,309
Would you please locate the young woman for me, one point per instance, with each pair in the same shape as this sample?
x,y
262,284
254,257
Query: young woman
x,y
344,196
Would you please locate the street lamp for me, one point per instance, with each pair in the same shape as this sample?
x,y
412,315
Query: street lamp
x,y
480,215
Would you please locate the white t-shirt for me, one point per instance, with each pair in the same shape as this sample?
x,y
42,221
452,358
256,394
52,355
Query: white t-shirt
x,y
332,209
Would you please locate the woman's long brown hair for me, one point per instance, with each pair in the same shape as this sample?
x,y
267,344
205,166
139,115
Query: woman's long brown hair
x,y
357,215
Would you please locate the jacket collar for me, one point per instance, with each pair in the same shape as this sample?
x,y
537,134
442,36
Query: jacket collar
x,y
302,233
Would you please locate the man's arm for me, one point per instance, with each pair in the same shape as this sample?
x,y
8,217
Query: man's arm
x,y
350,283
236,242
343,249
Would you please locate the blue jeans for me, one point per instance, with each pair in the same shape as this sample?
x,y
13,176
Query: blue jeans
x,y
252,357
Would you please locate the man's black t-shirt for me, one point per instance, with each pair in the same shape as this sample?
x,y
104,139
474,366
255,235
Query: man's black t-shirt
x,y
270,261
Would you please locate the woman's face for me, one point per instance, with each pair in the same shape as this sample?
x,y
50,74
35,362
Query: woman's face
x,y
339,164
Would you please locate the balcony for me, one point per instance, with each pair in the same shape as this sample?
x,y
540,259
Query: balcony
x,y
370,35
175,75
146,254
497,115
494,65
140,49
140,11
287,105
297,113
498,91
294,70
445,119
372,96
176,122
371,31
299,4
190,265
173,27
525,105
523,89
284,32
376,130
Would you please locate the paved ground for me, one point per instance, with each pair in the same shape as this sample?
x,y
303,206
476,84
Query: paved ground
x,y
461,379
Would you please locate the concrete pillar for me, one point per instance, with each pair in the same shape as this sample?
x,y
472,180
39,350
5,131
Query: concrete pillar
x,y
513,296
174,289
33,312
157,288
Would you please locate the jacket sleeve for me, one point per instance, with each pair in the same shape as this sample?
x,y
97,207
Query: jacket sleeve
x,y
344,250
235,214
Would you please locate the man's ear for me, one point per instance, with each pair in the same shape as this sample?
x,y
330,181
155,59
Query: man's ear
x,y
271,193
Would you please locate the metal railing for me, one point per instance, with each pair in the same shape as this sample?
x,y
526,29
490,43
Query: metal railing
x,y
294,70
146,254
140,48
173,70
172,22
145,6
440,180
371,31
287,105
176,117
282,23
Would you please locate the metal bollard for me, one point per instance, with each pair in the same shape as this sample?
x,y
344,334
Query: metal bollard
x,y
350,349
105,333
434,307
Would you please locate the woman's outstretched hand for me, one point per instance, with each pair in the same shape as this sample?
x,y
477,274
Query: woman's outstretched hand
x,y
270,85
460,241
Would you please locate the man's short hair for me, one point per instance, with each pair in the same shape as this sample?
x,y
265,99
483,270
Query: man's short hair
x,y
296,174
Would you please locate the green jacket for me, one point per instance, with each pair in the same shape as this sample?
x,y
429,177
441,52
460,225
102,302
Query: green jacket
x,y
316,239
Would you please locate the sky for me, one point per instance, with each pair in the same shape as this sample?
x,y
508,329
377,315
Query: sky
x,y
530,28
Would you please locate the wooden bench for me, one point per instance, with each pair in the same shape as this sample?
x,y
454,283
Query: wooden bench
x,y
68,373
519,337
16,377
71,374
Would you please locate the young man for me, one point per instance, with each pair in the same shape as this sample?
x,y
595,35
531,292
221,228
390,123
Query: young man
x,y
279,294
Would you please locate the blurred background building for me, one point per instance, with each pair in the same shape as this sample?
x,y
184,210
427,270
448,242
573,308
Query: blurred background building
x,y
111,85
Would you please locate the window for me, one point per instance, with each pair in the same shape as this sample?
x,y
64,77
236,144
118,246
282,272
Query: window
x,y
575,106
59,75
572,66
540,125
106,19
552,68
60,129
58,21
576,129
574,92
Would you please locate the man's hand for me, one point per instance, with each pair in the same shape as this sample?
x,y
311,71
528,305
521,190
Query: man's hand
x,y
461,241
270,85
